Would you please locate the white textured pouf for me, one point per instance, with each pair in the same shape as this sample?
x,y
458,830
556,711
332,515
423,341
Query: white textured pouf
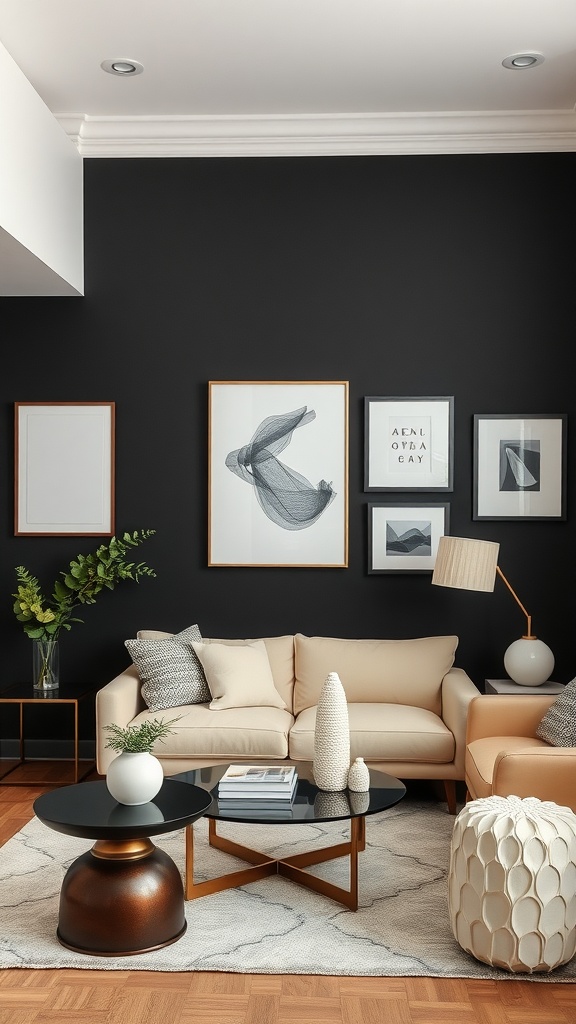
x,y
512,884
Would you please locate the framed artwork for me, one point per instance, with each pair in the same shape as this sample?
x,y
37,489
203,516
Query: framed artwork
x,y
404,538
64,468
278,473
408,444
520,466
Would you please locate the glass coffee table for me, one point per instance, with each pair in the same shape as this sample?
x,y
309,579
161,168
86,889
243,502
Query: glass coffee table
x,y
309,805
124,895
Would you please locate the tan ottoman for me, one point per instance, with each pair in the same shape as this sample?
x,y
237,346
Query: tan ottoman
x,y
512,883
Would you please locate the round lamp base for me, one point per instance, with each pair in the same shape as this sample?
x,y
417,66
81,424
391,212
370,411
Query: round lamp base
x,y
529,661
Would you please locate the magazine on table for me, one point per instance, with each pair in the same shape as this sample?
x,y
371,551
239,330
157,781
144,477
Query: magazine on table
x,y
260,774
259,793
280,784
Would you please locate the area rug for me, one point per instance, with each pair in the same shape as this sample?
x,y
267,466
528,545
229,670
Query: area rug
x,y
272,926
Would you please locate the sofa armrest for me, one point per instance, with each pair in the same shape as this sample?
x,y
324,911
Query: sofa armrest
x,y
506,715
119,701
458,691
547,773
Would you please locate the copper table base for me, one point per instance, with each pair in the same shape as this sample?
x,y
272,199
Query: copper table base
x,y
121,898
288,867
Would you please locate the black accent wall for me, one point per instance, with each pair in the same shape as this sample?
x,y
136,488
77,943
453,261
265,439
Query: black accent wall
x,y
406,276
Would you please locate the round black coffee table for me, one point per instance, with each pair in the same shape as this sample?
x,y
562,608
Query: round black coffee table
x,y
124,895
308,805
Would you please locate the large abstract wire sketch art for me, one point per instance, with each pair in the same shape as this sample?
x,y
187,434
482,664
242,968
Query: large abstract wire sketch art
x,y
285,496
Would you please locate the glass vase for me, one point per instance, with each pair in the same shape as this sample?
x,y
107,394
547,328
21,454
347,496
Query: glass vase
x,y
45,664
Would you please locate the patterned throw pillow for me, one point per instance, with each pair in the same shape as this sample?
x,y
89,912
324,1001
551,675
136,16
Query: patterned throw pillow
x,y
170,671
558,726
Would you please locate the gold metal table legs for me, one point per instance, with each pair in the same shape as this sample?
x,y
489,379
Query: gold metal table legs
x,y
289,867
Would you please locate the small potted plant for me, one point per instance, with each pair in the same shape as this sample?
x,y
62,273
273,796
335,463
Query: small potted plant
x,y
135,776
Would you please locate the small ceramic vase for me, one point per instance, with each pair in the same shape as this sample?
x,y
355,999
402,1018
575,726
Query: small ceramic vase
x,y
359,776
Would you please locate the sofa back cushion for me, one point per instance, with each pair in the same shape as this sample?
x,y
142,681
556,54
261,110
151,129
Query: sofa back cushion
x,y
374,671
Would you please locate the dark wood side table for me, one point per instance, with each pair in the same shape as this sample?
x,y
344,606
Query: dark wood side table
x,y
124,895
24,694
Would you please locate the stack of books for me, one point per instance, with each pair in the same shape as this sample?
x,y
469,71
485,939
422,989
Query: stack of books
x,y
245,786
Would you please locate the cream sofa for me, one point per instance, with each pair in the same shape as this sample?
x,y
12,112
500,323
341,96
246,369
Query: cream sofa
x,y
407,707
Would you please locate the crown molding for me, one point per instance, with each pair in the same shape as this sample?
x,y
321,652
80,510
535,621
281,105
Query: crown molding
x,y
322,135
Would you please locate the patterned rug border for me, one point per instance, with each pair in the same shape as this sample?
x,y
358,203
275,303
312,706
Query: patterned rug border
x,y
401,928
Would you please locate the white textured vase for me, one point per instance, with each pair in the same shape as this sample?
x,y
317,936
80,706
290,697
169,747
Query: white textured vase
x,y
512,884
359,776
134,778
332,737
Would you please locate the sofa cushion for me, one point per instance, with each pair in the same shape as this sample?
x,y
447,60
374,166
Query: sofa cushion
x,y
232,734
238,677
169,669
281,656
374,671
558,726
382,732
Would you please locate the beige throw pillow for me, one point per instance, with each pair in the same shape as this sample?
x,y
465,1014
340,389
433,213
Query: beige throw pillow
x,y
238,677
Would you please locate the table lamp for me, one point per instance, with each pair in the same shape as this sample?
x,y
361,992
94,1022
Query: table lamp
x,y
468,564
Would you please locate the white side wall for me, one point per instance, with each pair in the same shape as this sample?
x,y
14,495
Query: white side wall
x,y
41,194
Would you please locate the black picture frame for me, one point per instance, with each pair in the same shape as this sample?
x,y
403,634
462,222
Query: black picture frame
x,y
403,538
519,466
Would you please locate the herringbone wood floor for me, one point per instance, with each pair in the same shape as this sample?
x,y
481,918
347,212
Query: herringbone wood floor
x,y
137,997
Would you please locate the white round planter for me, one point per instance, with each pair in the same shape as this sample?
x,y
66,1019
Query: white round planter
x,y
134,778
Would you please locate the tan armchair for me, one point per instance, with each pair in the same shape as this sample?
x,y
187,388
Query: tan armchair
x,y
504,757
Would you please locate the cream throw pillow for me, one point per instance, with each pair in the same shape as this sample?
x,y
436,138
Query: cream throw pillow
x,y
238,677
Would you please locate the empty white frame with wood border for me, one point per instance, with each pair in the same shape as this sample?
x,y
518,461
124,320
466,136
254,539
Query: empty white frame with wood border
x,y
64,468
408,444
278,473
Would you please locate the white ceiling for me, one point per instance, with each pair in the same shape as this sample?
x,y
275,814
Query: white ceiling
x,y
226,77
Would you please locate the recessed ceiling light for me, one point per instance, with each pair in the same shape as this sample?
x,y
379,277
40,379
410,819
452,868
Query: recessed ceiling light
x,y
519,61
122,66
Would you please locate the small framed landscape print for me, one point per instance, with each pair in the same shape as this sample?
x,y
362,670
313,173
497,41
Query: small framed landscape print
x,y
408,444
64,468
278,473
520,466
404,538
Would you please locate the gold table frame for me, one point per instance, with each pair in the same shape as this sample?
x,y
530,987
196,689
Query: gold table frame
x,y
263,866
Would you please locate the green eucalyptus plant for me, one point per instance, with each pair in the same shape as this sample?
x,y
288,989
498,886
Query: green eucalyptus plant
x,y
139,739
43,618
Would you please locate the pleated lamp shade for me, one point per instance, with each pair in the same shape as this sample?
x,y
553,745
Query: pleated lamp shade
x,y
466,564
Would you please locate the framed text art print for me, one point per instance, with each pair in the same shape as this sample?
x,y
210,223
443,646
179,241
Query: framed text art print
x,y
64,468
278,473
404,538
520,466
408,444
